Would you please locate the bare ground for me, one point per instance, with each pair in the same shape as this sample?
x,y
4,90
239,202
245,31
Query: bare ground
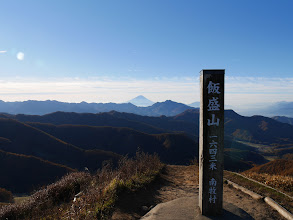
x,y
182,181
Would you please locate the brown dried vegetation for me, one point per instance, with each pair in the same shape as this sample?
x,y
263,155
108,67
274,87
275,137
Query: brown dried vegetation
x,y
277,182
277,174
283,183
84,196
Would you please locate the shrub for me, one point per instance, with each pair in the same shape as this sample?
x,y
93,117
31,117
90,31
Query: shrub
x,y
131,175
54,194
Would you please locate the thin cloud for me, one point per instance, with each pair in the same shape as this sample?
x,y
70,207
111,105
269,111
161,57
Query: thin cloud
x,y
258,85
91,90
240,92
3,51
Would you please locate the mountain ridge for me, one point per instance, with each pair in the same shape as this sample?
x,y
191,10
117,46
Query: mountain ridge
x,y
31,107
284,119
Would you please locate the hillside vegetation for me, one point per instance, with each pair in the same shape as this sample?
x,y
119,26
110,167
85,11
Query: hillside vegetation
x,y
99,119
279,183
276,167
23,139
172,148
26,173
146,124
79,140
85,196
277,174
257,129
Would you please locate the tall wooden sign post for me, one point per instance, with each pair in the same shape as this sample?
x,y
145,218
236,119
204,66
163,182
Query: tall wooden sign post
x,y
211,142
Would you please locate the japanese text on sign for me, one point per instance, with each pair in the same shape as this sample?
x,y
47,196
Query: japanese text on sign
x,y
213,106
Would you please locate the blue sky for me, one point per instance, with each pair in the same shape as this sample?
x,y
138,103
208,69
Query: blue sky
x,y
103,51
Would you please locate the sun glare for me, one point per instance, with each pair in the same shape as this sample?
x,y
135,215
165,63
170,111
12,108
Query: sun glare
x,y
20,56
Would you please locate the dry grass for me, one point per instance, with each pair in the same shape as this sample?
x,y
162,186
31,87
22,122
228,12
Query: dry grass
x,y
53,195
132,174
85,196
20,199
283,183
283,200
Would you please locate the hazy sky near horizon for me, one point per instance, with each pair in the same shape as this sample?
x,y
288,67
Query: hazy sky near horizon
x,y
114,50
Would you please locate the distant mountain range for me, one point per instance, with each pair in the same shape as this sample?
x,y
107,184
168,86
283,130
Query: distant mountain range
x,y
139,105
270,110
167,108
284,119
195,104
280,108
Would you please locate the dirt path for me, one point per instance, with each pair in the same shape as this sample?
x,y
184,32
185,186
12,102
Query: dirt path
x,y
182,181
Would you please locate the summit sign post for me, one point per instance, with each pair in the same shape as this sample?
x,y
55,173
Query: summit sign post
x,y
211,142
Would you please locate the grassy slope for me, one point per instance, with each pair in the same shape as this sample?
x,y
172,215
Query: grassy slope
x,y
146,124
21,138
99,119
172,148
25,173
89,137
263,190
277,167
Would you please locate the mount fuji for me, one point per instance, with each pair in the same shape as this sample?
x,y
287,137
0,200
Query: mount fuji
x,y
141,101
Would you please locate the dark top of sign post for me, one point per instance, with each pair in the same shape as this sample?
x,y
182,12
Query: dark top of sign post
x,y
213,71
